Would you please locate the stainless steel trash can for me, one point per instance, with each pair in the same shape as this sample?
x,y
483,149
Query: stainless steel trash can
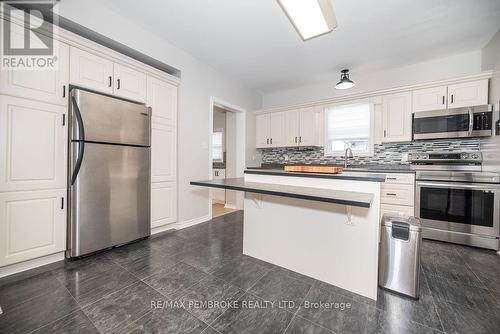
x,y
399,256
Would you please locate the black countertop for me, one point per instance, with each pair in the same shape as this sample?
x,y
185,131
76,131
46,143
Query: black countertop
x,y
375,168
307,193
348,175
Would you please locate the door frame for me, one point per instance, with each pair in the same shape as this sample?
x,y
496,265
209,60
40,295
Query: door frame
x,y
239,162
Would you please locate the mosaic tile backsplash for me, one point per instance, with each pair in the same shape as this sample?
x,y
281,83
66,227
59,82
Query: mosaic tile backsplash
x,y
383,154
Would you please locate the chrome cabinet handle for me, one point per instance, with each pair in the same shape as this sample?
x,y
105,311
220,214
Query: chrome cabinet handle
x,y
443,99
452,98
267,141
64,91
271,141
119,85
300,139
391,194
110,81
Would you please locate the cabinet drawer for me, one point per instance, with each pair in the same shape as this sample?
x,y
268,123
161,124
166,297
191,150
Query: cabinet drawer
x,y
398,194
400,210
400,178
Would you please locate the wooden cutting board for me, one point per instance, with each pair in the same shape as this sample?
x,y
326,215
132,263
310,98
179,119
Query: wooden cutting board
x,y
313,169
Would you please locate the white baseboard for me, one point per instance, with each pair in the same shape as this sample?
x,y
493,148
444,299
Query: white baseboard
x,y
231,206
30,264
191,222
163,228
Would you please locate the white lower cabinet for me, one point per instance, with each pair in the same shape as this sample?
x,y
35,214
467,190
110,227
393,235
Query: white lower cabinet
x,y
32,224
163,203
33,145
399,210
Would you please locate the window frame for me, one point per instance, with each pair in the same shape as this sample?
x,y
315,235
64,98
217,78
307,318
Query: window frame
x,y
371,137
215,131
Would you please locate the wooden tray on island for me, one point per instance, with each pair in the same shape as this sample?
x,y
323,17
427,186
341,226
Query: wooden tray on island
x,y
313,169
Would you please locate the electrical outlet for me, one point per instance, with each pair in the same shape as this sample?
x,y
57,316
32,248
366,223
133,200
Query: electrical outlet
x,y
404,157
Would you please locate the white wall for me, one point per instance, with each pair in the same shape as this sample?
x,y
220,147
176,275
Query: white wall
x,y
491,61
436,69
198,83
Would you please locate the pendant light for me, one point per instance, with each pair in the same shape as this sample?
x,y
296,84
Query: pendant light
x,y
345,82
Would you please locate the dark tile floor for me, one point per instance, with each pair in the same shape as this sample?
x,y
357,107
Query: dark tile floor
x,y
181,272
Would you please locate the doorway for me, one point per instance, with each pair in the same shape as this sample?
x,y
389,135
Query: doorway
x,y
227,129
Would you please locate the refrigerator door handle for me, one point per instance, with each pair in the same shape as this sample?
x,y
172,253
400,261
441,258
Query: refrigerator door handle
x,y
81,142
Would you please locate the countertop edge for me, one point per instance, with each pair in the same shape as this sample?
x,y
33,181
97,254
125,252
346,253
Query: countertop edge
x,y
371,178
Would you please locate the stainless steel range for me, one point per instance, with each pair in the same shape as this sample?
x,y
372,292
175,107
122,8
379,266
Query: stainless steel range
x,y
455,200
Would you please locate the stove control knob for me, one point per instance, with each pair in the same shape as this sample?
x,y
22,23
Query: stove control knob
x,y
474,156
417,156
464,156
425,156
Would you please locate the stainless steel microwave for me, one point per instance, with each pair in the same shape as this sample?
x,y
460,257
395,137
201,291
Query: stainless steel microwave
x,y
453,123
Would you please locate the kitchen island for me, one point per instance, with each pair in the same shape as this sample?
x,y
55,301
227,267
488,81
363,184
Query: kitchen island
x,y
325,226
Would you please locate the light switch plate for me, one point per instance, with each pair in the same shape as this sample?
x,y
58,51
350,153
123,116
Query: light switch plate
x,y
404,157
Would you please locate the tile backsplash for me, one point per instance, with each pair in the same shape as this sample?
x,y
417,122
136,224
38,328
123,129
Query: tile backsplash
x,y
383,153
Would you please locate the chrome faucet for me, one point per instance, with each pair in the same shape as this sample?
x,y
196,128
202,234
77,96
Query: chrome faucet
x,y
347,155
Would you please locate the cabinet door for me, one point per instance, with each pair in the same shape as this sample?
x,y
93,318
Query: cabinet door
x,y
396,114
33,145
129,83
277,129
310,131
292,128
90,71
163,203
163,153
262,133
162,98
32,224
468,94
429,99
45,85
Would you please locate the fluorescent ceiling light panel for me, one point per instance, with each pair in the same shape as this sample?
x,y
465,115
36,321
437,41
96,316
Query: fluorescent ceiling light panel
x,y
310,18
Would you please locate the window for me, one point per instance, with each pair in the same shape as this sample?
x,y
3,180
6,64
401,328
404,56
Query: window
x,y
217,149
349,126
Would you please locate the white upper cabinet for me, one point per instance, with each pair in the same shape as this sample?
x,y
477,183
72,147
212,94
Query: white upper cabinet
x,y
162,98
397,117
262,130
163,153
468,94
428,99
310,130
90,71
33,145
129,83
277,129
299,127
32,224
46,85
292,127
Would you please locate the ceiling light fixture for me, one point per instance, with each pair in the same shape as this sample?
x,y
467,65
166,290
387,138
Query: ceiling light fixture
x,y
345,82
310,18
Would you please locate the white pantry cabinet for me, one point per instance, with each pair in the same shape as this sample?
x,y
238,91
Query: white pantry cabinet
x,y
468,94
33,144
129,83
163,203
397,117
162,98
428,99
32,224
46,85
90,71
163,152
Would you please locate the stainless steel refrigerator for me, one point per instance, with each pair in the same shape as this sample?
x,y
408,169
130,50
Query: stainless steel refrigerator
x,y
109,172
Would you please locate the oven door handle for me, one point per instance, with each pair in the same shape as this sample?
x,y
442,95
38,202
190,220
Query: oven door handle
x,y
471,121
459,186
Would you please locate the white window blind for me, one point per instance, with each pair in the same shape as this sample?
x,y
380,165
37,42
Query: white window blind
x,y
349,126
217,149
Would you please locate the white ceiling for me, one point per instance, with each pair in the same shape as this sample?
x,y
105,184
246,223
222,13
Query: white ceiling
x,y
253,41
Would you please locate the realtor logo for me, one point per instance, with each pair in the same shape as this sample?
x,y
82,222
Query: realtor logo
x,y
27,35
